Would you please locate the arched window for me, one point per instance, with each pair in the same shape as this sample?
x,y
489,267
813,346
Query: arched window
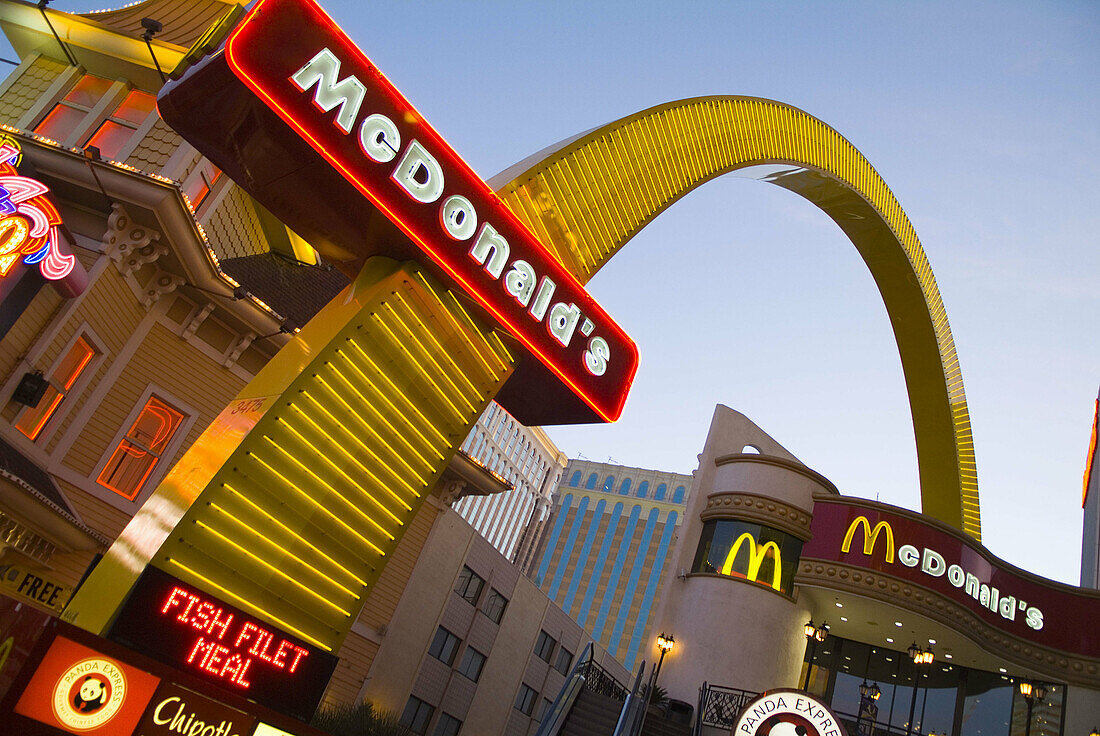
x,y
624,489
575,480
661,491
643,489
591,482
678,495
609,484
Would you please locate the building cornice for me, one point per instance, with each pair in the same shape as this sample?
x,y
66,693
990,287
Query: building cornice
x,y
760,510
795,467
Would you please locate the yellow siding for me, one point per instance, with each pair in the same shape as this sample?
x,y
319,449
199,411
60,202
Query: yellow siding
x,y
21,337
234,228
356,656
205,385
382,600
26,91
155,148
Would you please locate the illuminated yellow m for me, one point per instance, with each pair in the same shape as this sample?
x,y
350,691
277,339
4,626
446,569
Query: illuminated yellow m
x,y
869,537
756,559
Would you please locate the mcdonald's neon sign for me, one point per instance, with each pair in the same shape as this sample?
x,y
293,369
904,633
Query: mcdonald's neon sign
x,y
757,554
869,536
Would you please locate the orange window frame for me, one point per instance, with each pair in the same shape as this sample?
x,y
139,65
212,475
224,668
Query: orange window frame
x,y
141,449
65,374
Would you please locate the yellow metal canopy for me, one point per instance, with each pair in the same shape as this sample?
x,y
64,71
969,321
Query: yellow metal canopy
x,y
588,195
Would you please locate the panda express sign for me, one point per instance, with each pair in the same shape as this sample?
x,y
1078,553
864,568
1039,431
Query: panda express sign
x,y
306,124
787,713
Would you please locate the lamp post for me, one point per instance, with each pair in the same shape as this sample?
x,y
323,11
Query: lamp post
x,y
814,634
919,657
665,644
868,694
1031,693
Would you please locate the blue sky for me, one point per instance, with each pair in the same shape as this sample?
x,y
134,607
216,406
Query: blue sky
x,y
981,117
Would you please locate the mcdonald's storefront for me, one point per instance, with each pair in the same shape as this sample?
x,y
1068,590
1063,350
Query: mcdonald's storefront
x,y
917,628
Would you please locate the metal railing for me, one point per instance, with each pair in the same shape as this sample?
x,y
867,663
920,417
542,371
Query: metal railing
x,y
632,716
600,681
719,706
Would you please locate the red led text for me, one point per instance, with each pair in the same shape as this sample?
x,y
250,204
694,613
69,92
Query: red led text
x,y
226,646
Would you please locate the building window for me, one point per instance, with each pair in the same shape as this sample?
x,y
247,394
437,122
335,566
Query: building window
x,y
563,660
416,715
61,381
748,551
495,605
678,495
525,700
662,490
471,664
448,725
141,448
444,646
200,183
547,704
643,488
544,646
115,132
469,585
624,488
67,114
590,484
609,484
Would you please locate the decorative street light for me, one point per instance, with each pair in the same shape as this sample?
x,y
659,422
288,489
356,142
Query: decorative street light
x,y
814,634
665,644
919,657
868,694
1031,692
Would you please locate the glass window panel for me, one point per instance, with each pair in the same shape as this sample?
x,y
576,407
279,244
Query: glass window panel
x,y
137,454
110,138
987,709
64,375
135,108
748,551
471,664
61,122
447,726
88,91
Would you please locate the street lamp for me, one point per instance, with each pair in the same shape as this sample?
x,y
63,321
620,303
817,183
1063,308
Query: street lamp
x,y
919,657
665,644
814,634
1031,693
868,694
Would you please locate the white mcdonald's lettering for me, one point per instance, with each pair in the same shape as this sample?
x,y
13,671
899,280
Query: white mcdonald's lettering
x,y
756,559
933,564
421,177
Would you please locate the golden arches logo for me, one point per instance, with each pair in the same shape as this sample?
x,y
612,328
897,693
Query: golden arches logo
x,y
869,536
756,559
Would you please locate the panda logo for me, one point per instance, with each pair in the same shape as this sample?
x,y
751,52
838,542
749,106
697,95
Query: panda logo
x,y
92,694
89,694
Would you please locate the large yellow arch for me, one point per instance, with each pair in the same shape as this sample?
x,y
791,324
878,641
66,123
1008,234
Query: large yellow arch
x,y
587,196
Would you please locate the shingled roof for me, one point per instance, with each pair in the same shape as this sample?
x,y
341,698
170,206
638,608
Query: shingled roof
x,y
293,290
183,20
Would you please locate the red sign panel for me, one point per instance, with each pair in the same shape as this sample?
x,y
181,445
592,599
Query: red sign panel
x,y
1046,612
331,143
82,691
180,625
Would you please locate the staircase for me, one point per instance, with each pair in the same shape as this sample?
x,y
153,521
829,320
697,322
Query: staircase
x,y
592,715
